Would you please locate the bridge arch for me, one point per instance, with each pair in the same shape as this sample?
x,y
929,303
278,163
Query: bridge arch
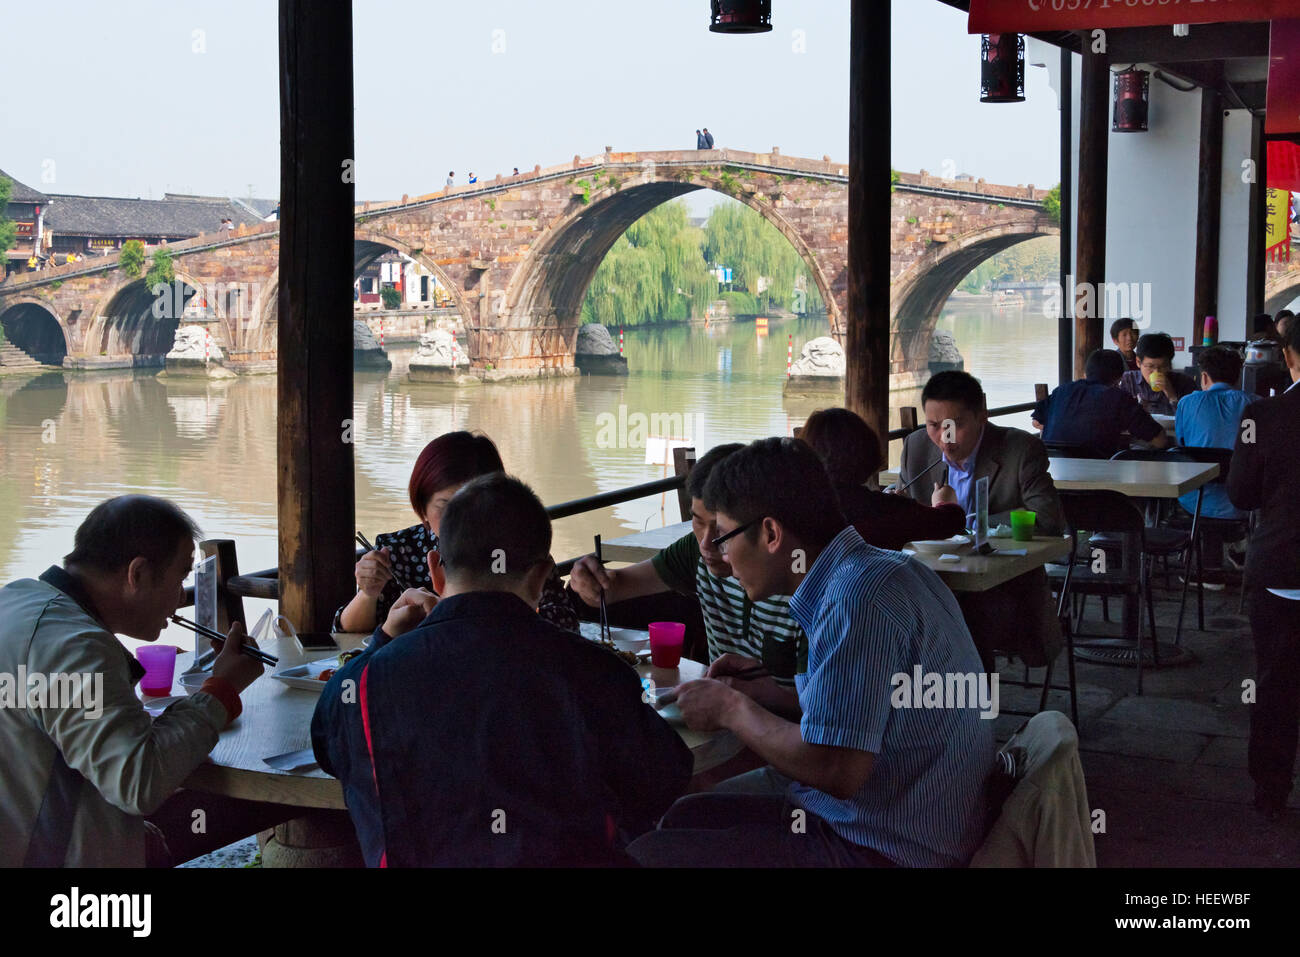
x,y
1281,290
370,244
540,310
128,322
37,329
920,291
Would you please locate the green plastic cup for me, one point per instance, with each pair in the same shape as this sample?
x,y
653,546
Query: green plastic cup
x,y
1022,524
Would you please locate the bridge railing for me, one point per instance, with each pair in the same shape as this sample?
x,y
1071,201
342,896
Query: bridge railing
x,y
233,587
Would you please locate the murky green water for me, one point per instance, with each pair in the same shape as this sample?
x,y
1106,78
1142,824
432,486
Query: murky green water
x,y
69,441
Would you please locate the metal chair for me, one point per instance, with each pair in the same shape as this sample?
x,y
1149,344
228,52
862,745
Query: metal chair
x,y
1112,512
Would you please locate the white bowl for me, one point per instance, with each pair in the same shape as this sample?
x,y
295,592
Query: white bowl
x,y
938,546
192,683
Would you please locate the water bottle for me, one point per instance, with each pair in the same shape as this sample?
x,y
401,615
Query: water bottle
x,y
1210,335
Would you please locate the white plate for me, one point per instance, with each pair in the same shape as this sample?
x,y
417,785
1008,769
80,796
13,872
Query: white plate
x,y
305,676
625,639
938,546
157,706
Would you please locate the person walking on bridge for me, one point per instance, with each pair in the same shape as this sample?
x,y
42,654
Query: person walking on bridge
x,y
699,140
708,139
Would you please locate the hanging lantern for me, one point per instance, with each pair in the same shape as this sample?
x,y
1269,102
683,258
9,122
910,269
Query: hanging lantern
x,y
1132,91
1002,68
741,16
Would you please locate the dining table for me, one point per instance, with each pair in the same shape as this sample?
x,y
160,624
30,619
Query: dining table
x,y
276,721
642,545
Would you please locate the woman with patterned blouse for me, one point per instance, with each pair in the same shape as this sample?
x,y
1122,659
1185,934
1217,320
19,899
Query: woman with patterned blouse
x,y
446,463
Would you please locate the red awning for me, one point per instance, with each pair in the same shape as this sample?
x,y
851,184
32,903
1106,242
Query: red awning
x,y
1282,110
1033,16
1284,165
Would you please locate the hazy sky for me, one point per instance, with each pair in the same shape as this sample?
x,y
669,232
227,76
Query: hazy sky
x,y
139,97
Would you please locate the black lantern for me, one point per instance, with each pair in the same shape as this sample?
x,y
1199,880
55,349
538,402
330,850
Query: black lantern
x,y
741,16
1132,97
1002,68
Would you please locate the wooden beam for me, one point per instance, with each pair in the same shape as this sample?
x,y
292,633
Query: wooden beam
x,y
230,607
866,341
683,462
1064,324
1205,41
1090,259
1205,301
314,452
1256,242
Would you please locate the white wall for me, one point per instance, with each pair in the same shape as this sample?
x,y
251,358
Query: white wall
x,y
1151,187
1234,233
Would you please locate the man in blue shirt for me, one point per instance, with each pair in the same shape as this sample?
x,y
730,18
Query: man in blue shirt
x,y
1210,419
1093,414
881,773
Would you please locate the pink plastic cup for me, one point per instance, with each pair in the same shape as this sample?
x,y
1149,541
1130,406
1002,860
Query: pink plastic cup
x,y
159,668
666,639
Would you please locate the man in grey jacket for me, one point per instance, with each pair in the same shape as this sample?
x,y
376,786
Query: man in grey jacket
x,y
84,762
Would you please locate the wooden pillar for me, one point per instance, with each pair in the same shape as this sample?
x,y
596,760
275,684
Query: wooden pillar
x,y
866,341
1065,325
314,451
1208,198
1090,259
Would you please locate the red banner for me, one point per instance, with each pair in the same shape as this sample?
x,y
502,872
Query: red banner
x,y
1284,165
1033,16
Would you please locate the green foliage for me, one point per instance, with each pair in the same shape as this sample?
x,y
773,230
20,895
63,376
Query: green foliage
x,y
654,272
893,179
132,258
162,270
491,203
1035,260
56,284
739,237
1052,204
8,228
586,190
728,183
614,182
741,304
391,297
912,220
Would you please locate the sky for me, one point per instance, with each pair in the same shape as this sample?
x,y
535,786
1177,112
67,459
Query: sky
x,y
142,97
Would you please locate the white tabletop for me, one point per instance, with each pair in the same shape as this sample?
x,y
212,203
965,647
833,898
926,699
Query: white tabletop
x,y
1138,479
981,572
277,719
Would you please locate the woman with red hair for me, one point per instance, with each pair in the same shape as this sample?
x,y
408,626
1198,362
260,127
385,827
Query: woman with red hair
x,y
446,463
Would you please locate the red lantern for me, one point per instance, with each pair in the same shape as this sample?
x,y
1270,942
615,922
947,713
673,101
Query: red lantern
x,y
1002,68
741,16
1132,92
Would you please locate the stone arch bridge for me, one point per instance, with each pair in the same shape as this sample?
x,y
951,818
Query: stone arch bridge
x,y
518,253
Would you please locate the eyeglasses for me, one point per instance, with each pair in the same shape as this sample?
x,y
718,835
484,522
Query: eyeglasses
x,y
720,542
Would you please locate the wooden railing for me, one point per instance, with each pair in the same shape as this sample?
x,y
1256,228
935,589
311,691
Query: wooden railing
x,y
233,588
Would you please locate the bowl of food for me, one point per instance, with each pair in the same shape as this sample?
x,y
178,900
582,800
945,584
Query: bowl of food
x,y
194,681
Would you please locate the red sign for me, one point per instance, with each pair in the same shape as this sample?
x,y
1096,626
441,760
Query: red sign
x,y
1284,165
1033,16
1180,343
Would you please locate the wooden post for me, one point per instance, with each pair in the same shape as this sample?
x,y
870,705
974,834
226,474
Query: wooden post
x,y
1065,324
1256,241
314,452
1040,391
1208,197
683,462
1090,259
866,341
230,607
907,418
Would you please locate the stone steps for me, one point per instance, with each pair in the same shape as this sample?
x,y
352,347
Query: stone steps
x,y
12,358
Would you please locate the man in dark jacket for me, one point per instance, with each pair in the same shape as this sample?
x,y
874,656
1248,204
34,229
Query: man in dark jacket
x,y
487,736
1264,467
708,139
699,140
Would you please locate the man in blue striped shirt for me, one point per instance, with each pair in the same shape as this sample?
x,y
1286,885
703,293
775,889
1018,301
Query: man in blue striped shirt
x,y
890,759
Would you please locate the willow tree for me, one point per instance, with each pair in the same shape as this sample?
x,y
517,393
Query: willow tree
x,y
655,272
741,239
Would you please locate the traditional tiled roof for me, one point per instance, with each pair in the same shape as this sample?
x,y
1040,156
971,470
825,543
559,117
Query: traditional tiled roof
x,y
140,218
22,193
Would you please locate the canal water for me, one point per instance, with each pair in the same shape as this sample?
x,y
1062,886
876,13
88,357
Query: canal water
x,y
68,441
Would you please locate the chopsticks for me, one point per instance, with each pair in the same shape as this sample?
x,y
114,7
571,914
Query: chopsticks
x,y
365,543
217,636
605,637
919,474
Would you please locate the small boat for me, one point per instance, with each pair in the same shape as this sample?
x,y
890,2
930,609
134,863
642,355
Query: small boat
x,y
1008,299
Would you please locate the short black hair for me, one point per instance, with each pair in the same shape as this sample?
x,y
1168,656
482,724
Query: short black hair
x,y
1263,323
494,526
954,386
1118,326
847,446
1104,365
119,530
1155,345
1292,338
1221,364
779,478
1284,317
703,468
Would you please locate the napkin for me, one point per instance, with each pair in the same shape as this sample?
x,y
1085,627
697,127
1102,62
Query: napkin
x,y
304,760
949,557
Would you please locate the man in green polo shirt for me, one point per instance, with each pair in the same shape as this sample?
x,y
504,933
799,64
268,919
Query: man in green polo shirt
x,y
735,626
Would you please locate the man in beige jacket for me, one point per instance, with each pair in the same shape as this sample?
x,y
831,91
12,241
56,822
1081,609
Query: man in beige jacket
x,y
84,762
